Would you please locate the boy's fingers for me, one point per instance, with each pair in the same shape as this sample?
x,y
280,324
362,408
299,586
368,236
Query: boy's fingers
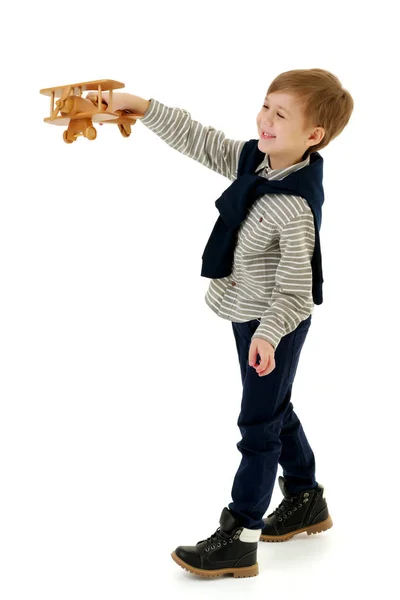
x,y
263,365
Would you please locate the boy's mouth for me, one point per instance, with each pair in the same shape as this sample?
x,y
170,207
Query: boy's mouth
x,y
267,136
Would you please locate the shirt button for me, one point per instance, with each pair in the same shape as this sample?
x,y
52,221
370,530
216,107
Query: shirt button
x,y
260,219
233,282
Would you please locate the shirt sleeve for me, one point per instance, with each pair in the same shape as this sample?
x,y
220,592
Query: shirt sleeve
x,y
292,299
203,143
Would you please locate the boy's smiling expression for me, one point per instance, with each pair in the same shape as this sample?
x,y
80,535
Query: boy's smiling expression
x,y
282,116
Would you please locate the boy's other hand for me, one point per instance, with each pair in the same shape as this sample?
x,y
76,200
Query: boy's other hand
x,y
267,356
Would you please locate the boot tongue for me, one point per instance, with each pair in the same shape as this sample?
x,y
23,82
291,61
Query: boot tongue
x,y
282,485
228,522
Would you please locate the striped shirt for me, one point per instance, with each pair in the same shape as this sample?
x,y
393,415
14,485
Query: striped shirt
x,y
271,278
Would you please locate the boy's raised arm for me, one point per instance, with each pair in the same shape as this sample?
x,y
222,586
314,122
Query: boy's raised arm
x,y
203,143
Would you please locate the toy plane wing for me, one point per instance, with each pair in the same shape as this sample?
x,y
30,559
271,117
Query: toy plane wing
x,y
85,86
125,117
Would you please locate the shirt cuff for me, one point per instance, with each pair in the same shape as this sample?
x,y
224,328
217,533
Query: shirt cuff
x,y
152,109
268,333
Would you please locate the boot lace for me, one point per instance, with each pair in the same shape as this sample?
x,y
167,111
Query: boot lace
x,y
218,539
288,506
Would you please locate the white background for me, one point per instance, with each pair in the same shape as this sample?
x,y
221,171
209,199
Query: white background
x,y
120,389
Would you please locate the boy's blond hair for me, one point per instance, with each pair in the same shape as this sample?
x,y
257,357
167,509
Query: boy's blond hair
x,y
325,102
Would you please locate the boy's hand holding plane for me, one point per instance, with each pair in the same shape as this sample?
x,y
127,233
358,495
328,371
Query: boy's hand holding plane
x,y
121,101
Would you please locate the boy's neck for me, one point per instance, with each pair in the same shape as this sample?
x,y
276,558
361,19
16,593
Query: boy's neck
x,y
281,162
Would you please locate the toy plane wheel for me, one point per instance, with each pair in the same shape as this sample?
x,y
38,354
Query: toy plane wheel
x,y
66,140
91,133
125,129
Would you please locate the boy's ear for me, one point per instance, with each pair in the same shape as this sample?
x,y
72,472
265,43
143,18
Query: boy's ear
x,y
317,135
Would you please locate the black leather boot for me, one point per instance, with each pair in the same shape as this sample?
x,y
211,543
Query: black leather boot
x,y
307,511
231,550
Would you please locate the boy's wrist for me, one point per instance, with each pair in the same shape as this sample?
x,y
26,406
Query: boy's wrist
x,y
136,104
145,106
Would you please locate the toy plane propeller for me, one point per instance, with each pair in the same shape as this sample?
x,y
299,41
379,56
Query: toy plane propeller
x,y
79,113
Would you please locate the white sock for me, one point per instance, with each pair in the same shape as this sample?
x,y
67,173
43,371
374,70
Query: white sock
x,y
250,535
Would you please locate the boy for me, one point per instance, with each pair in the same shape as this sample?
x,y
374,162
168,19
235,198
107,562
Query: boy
x,y
263,258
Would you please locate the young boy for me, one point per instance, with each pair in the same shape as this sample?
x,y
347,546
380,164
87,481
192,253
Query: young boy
x,y
263,258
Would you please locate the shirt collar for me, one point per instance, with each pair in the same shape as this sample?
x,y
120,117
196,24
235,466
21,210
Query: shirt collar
x,y
280,173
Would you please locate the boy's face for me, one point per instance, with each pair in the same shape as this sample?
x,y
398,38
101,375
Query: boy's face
x,y
282,116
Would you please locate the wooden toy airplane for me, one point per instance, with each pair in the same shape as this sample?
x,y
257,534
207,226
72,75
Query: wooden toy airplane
x,y
80,113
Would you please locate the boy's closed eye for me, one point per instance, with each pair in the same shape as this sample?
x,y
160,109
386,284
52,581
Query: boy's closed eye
x,y
281,116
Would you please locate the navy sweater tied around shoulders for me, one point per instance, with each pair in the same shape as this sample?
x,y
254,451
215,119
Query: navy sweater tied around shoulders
x,y
235,201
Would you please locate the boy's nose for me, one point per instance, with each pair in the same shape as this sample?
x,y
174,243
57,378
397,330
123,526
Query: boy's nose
x,y
267,123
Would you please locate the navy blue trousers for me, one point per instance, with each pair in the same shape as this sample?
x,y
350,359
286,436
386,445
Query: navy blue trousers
x,y
271,431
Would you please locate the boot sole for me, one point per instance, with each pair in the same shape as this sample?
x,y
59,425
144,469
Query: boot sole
x,y
317,528
236,572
